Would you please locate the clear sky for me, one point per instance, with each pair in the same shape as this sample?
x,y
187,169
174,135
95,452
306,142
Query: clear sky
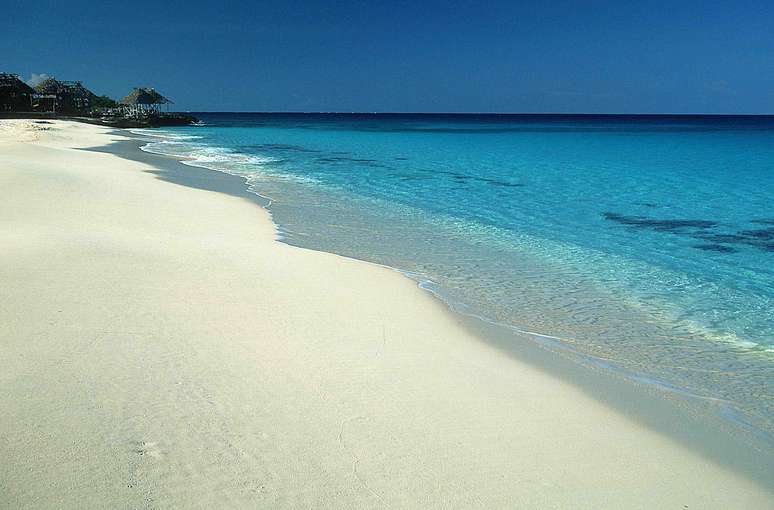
x,y
432,56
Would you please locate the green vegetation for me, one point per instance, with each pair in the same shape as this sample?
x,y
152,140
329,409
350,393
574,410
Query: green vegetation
x,y
103,102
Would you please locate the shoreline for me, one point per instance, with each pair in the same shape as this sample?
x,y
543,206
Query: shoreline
x,y
662,408
372,392
618,314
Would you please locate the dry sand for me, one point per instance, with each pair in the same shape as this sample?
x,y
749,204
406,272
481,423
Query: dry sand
x,y
160,349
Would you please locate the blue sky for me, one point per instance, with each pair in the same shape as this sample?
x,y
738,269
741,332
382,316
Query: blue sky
x,y
501,56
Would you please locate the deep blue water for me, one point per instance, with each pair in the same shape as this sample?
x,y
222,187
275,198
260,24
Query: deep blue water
x,y
646,242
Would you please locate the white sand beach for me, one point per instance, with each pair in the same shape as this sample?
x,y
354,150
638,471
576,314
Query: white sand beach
x,y
160,349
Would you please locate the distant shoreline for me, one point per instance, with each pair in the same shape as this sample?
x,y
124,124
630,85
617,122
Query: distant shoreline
x,y
173,120
496,114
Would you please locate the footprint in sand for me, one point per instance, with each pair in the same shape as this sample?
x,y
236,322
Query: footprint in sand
x,y
147,448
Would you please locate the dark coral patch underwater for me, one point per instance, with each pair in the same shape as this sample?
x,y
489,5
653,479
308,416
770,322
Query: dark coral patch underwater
x,y
659,225
762,239
715,247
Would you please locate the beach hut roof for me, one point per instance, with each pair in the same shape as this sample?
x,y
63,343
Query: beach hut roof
x,y
12,81
48,86
76,89
144,96
72,88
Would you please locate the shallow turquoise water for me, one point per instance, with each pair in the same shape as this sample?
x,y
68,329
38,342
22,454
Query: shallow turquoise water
x,y
645,243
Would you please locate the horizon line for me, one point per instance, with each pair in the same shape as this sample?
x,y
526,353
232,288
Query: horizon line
x,y
484,113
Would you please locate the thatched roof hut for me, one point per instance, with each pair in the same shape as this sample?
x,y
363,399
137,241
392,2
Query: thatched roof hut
x,y
143,102
144,97
15,95
12,81
76,89
48,86
66,96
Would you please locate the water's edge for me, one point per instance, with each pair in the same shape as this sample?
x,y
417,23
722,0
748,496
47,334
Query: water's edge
x,y
705,426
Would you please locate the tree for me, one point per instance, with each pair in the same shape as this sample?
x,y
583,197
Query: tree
x,y
103,102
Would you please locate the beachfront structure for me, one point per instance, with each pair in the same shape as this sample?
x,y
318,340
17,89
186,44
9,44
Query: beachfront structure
x,y
63,96
142,102
15,95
